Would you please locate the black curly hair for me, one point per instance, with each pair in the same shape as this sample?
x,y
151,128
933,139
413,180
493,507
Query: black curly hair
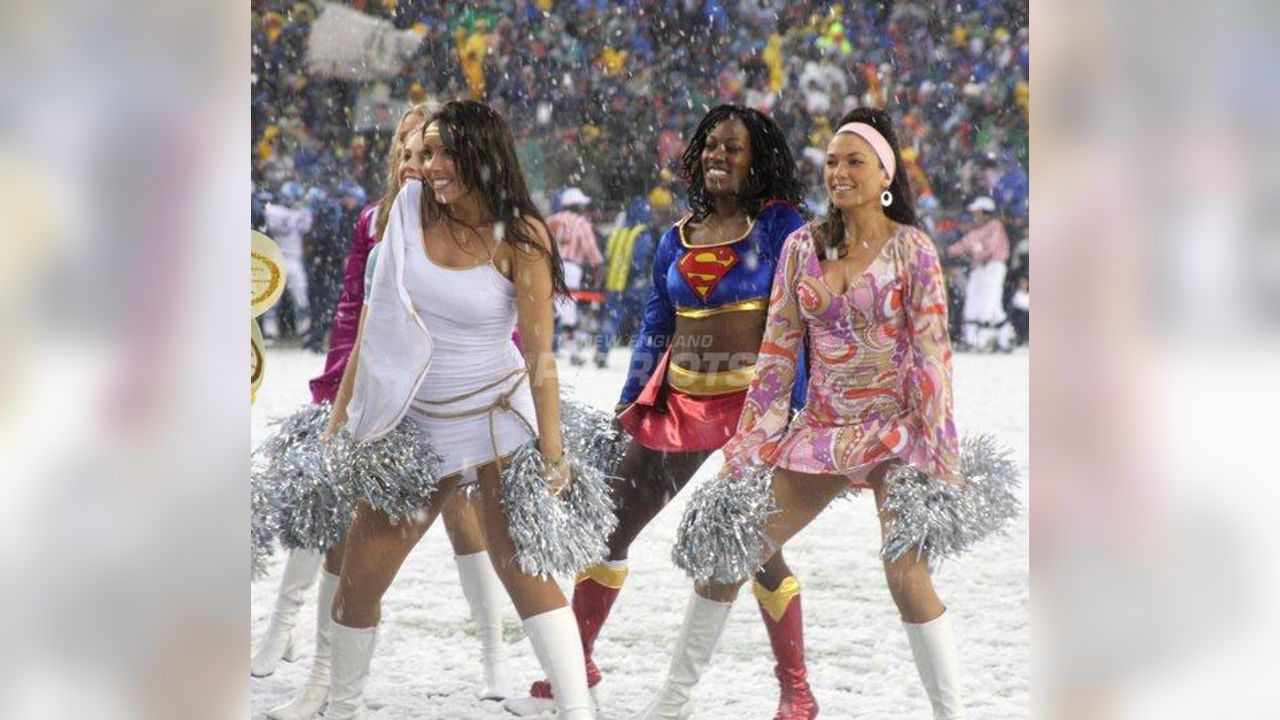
x,y
484,152
773,169
902,208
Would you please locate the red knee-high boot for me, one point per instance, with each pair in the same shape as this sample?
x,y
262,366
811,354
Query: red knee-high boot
x,y
784,620
596,589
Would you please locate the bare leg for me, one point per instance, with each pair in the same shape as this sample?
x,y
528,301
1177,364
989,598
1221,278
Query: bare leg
x,y
375,550
481,587
333,558
650,478
547,620
800,497
775,570
926,622
909,581
462,523
531,595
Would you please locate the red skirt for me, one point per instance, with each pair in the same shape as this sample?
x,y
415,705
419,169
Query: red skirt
x,y
669,421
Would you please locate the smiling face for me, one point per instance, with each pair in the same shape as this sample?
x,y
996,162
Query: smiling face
x,y
412,158
410,124
853,174
439,170
726,158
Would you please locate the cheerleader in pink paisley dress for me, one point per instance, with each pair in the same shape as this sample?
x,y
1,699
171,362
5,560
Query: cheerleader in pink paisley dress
x,y
881,368
863,292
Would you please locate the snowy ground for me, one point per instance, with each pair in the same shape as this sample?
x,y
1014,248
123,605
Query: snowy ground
x,y
427,663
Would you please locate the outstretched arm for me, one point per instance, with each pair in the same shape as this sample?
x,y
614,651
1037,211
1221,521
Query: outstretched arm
x,y
766,412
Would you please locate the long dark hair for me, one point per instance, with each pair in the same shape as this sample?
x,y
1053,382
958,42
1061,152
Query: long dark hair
x,y
484,154
773,169
903,208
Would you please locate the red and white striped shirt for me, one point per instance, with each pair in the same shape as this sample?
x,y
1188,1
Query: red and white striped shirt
x,y
575,238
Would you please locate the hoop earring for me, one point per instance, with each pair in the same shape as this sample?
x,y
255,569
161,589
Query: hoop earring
x,y
886,198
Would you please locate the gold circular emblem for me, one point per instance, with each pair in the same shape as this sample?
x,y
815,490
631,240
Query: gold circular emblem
x,y
267,267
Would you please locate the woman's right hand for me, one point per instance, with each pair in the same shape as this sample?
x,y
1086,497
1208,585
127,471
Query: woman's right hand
x,y
558,476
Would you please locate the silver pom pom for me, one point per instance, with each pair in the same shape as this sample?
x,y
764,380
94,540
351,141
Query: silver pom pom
x,y
592,436
311,511
303,430
396,473
262,527
721,539
940,519
556,535
314,512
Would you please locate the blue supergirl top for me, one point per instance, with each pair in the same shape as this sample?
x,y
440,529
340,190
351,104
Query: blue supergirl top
x,y
690,280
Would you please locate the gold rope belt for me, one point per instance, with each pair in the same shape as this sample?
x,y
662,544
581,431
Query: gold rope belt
x,y
501,402
700,384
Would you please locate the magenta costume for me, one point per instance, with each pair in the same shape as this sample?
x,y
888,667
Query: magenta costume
x,y
346,320
879,371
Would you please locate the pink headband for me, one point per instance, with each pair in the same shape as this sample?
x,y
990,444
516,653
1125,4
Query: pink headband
x,y
877,141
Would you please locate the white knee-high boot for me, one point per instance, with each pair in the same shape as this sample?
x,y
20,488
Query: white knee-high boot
x,y
933,645
555,640
312,697
279,640
485,595
352,653
703,624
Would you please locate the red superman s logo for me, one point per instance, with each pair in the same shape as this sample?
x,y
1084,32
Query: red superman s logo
x,y
704,268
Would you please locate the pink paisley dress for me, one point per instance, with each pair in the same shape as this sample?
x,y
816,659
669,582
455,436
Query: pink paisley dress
x,y
879,369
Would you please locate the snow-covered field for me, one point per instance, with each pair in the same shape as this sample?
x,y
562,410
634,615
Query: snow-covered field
x,y
427,663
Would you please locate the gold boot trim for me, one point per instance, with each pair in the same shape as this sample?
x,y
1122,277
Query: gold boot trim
x,y
775,602
604,575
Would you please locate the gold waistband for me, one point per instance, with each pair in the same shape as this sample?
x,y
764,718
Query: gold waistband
x,y
753,305
700,384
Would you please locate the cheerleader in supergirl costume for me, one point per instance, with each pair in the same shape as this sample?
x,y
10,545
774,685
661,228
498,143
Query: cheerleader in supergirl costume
x,y
864,290
691,365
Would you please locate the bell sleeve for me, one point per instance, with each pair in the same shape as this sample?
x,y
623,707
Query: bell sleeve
x,y
766,412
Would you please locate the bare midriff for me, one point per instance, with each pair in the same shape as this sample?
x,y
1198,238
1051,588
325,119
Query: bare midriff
x,y
719,343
